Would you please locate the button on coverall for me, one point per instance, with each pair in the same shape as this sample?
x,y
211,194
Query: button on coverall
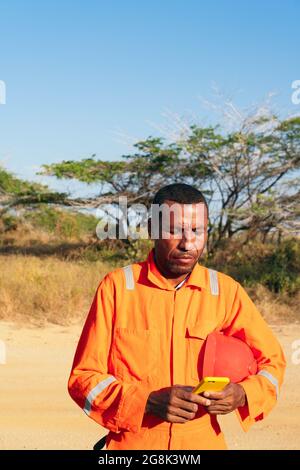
x,y
141,334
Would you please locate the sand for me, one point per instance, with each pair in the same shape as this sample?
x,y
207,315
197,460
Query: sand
x,y
37,412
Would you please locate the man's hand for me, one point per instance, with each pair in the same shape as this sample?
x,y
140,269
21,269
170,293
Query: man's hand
x,y
175,404
227,400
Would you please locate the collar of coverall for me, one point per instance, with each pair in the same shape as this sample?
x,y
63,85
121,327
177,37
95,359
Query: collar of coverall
x,y
198,276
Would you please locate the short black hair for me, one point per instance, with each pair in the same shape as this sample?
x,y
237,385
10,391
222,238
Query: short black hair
x,y
181,193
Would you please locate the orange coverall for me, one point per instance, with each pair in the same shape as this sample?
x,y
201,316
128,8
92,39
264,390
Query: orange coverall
x,y
143,334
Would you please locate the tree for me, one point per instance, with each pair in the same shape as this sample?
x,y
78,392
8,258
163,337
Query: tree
x,y
137,176
254,181
16,193
249,175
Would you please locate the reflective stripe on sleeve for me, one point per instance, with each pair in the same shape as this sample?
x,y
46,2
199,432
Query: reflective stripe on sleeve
x,y
214,285
129,279
271,378
95,391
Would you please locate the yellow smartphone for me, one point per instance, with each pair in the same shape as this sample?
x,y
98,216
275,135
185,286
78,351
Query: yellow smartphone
x,y
211,384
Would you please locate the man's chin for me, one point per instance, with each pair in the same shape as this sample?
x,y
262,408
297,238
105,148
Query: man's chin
x,y
177,268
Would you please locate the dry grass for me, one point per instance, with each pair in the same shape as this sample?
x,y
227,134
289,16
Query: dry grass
x,y
275,308
38,290
26,236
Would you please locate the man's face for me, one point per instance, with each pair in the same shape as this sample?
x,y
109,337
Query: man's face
x,y
182,238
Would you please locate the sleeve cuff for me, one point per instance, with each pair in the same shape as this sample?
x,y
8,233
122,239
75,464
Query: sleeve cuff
x,y
250,412
132,408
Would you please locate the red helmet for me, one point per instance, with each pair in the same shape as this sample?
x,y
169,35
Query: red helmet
x,y
226,356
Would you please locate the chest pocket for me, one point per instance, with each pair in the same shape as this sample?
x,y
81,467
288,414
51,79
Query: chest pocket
x,y
195,337
135,354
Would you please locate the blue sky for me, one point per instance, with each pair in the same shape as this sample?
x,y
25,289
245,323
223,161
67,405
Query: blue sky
x,y
79,72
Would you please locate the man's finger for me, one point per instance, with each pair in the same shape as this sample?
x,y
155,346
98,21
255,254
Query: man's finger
x,y
186,405
219,406
226,392
194,398
179,412
218,411
215,395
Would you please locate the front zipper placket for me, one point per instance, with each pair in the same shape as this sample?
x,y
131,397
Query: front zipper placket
x,y
175,294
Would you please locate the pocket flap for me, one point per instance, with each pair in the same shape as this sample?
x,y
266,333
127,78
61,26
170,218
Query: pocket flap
x,y
200,330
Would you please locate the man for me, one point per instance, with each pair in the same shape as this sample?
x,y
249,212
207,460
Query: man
x,y
140,353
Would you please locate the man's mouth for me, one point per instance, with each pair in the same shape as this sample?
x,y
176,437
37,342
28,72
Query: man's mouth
x,y
184,259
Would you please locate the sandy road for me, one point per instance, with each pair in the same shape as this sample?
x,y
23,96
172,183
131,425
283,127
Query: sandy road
x,y
37,413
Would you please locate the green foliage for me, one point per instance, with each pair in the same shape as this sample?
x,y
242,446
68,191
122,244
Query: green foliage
x,y
155,163
10,184
8,223
280,270
276,266
87,170
16,193
62,223
115,253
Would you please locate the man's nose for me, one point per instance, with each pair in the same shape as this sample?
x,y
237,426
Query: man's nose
x,y
187,241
